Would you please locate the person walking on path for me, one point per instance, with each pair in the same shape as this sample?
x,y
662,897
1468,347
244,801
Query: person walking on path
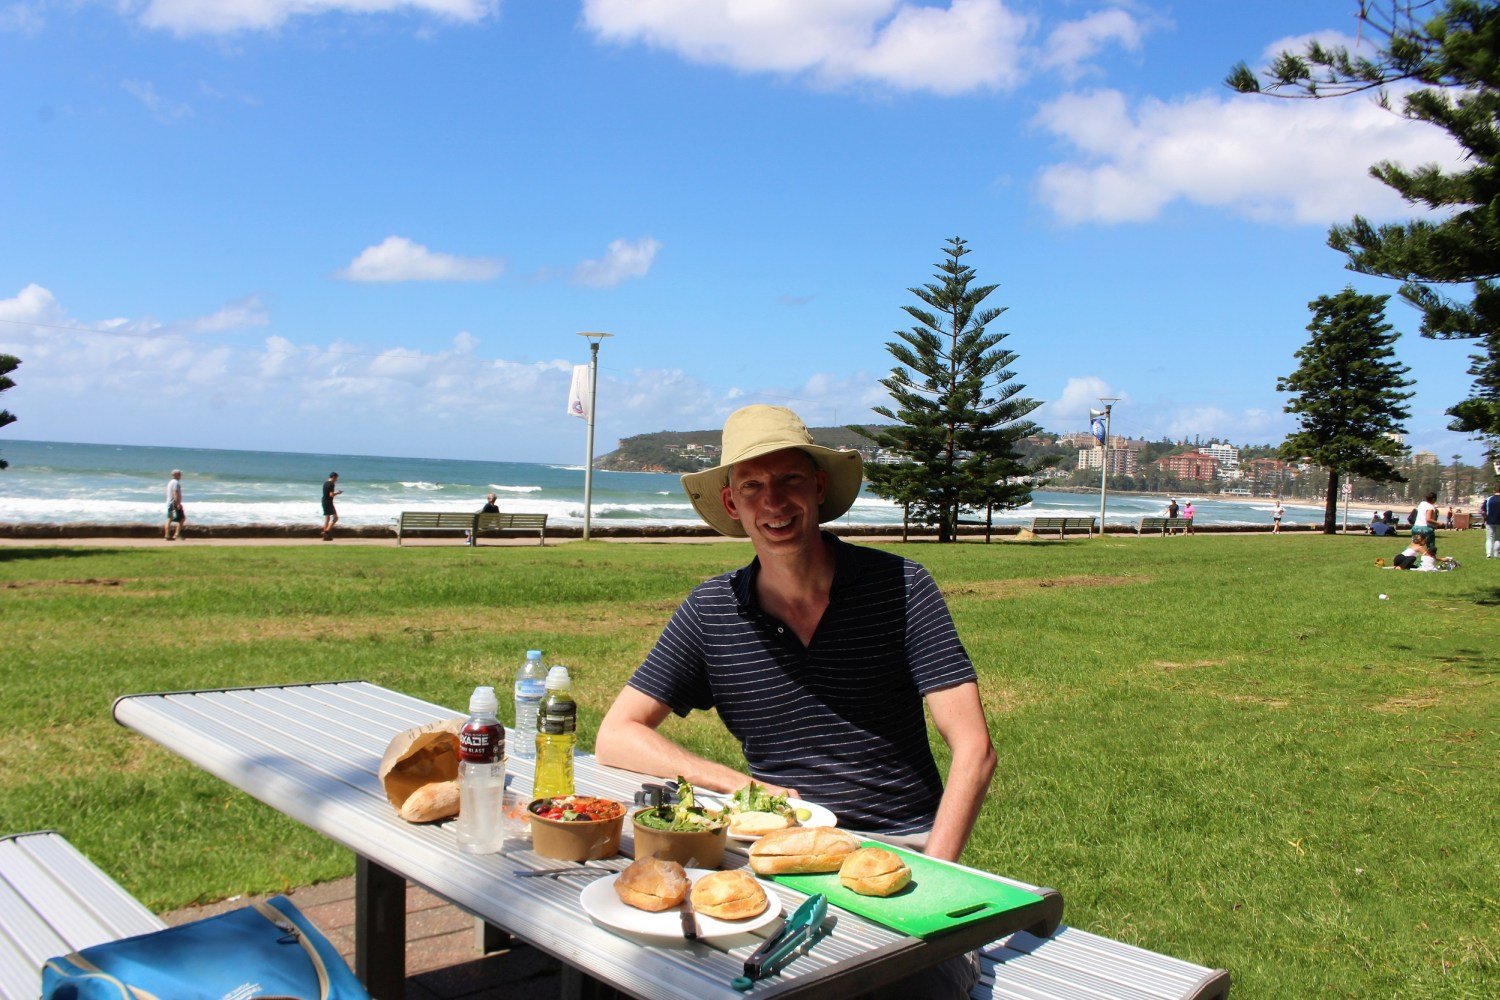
x,y
809,658
1448,519
1187,512
1277,513
176,516
1489,512
330,513
1426,522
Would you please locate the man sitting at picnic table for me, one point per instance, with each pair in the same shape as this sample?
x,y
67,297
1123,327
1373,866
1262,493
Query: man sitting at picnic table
x,y
818,656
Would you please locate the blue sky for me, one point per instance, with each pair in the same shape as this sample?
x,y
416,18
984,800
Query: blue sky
x,y
375,227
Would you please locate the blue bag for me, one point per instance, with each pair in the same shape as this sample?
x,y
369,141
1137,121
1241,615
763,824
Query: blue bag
x,y
261,951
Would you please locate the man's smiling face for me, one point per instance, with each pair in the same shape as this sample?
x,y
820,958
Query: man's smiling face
x,y
775,498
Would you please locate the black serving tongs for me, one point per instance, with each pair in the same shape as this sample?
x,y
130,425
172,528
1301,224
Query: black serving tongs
x,y
800,931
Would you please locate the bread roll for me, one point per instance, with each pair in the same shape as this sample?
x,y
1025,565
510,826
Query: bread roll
x,y
436,800
650,884
871,871
757,824
731,895
801,849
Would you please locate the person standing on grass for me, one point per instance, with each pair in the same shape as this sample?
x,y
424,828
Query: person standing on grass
x,y
1425,524
1489,513
1277,513
818,657
176,516
330,512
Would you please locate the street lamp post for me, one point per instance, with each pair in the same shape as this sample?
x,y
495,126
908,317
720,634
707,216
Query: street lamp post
x,y
1109,404
594,339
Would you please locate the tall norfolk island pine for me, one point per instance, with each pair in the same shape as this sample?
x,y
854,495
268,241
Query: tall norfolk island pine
x,y
958,413
1347,394
8,364
1454,55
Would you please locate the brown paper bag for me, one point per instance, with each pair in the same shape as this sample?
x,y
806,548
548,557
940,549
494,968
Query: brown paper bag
x,y
418,757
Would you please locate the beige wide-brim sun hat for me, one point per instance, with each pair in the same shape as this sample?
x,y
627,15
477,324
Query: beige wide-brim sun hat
x,y
753,431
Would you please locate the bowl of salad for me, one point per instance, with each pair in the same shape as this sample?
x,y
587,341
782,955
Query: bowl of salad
x,y
690,834
576,827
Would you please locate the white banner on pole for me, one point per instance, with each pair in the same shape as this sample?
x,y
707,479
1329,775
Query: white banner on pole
x,y
1096,425
578,395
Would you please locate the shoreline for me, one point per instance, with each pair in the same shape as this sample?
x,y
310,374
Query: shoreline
x,y
32,535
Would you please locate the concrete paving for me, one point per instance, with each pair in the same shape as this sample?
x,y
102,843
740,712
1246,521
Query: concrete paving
x,y
443,961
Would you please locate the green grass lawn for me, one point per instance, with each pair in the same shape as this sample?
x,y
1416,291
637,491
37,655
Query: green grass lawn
x,y
1224,748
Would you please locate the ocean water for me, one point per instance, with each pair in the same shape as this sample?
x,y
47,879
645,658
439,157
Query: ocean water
x,y
56,482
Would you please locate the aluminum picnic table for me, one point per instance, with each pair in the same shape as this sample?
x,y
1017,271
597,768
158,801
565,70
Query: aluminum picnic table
x,y
312,751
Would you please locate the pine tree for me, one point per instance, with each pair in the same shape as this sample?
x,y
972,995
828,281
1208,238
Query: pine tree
x,y
1347,393
8,364
1455,55
958,412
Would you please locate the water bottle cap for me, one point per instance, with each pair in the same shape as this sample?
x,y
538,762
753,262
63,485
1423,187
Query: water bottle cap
x,y
557,678
533,654
483,701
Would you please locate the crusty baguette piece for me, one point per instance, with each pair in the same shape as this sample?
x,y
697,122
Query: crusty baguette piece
x,y
731,895
871,871
801,849
757,824
651,884
435,800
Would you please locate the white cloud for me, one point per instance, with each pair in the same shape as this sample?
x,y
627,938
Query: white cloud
x,y
962,46
161,109
399,259
622,261
1303,162
1070,410
1071,45
24,19
1248,426
1329,39
240,315
219,17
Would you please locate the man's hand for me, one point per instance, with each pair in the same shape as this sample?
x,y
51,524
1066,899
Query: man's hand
x,y
959,717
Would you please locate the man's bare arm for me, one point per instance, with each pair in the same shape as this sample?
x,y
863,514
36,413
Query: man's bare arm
x,y
628,739
959,718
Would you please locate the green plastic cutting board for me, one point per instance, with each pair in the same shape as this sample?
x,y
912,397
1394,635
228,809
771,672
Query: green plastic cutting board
x,y
939,898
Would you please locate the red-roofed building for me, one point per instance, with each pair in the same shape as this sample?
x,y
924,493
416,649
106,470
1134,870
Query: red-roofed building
x,y
1190,465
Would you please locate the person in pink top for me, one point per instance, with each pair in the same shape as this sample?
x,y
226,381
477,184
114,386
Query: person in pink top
x,y
1187,512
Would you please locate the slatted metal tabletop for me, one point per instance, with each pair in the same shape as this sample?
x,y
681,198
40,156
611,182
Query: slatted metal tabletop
x,y
312,752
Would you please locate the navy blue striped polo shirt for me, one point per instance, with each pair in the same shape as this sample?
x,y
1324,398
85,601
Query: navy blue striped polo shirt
x,y
840,720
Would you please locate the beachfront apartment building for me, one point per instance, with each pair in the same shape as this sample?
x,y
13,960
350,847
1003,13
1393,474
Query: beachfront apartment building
x,y
1228,457
1192,465
1122,461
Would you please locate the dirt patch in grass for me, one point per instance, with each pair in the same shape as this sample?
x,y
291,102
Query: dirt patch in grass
x,y
1258,699
989,589
1415,702
1002,700
90,582
1170,666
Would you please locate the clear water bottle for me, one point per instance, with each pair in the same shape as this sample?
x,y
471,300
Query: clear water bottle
x,y
531,688
481,776
556,732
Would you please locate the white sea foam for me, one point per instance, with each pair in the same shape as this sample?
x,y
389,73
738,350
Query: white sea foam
x,y
420,485
500,488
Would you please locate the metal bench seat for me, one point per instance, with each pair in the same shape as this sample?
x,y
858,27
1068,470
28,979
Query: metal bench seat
x,y
56,901
1063,525
1075,965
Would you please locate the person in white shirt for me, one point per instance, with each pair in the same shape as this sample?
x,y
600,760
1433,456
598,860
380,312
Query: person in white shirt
x,y
1276,515
1425,526
176,517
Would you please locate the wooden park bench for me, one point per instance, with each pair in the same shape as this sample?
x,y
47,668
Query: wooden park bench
x,y
56,901
470,523
1163,525
500,523
1063,525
